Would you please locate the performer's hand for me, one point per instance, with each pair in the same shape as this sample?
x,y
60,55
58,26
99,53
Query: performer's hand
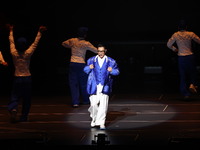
x,y
9,26
176,50
42,28
5,63
109,69
91,66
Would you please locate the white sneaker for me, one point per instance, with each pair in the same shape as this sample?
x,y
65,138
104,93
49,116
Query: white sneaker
x,y
92,124
102,127
193,88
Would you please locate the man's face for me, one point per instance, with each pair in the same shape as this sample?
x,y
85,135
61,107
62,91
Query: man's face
x,y
101,52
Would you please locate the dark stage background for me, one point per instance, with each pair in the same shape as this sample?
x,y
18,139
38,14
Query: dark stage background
x,y
135,33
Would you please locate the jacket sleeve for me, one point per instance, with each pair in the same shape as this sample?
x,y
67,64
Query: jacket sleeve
x,y
170,43
34,45
68,43
12,43
115,69
87,69
196,38
91,48
1,58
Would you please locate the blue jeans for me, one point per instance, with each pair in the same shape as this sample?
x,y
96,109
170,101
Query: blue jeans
x,y
21,90
187,72
78,83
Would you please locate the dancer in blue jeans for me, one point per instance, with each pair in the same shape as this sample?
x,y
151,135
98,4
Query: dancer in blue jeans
x,y
77,77
186,58
22,82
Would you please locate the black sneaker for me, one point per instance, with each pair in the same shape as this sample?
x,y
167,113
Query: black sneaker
x,y
13,115
23,119
186,98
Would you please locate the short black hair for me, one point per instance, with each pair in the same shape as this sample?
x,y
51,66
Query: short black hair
x,y
101,45
21,44
182,24
82,31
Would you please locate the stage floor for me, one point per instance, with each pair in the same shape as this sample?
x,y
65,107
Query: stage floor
x,y
133,119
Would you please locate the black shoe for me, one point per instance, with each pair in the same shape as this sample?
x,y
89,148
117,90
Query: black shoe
x,y
186,98
13,115
23,119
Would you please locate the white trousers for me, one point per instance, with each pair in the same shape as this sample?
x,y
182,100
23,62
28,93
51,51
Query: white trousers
x,y
98,108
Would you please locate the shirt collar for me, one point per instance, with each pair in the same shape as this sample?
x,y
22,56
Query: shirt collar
x,y
106,58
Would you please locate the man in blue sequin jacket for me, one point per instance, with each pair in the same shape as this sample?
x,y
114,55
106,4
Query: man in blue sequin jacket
x,y
100,68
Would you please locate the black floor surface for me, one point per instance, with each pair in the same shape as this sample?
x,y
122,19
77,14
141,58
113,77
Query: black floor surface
x,y
151,113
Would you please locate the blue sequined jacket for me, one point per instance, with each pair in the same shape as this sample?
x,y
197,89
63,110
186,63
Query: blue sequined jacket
x,y
100,75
